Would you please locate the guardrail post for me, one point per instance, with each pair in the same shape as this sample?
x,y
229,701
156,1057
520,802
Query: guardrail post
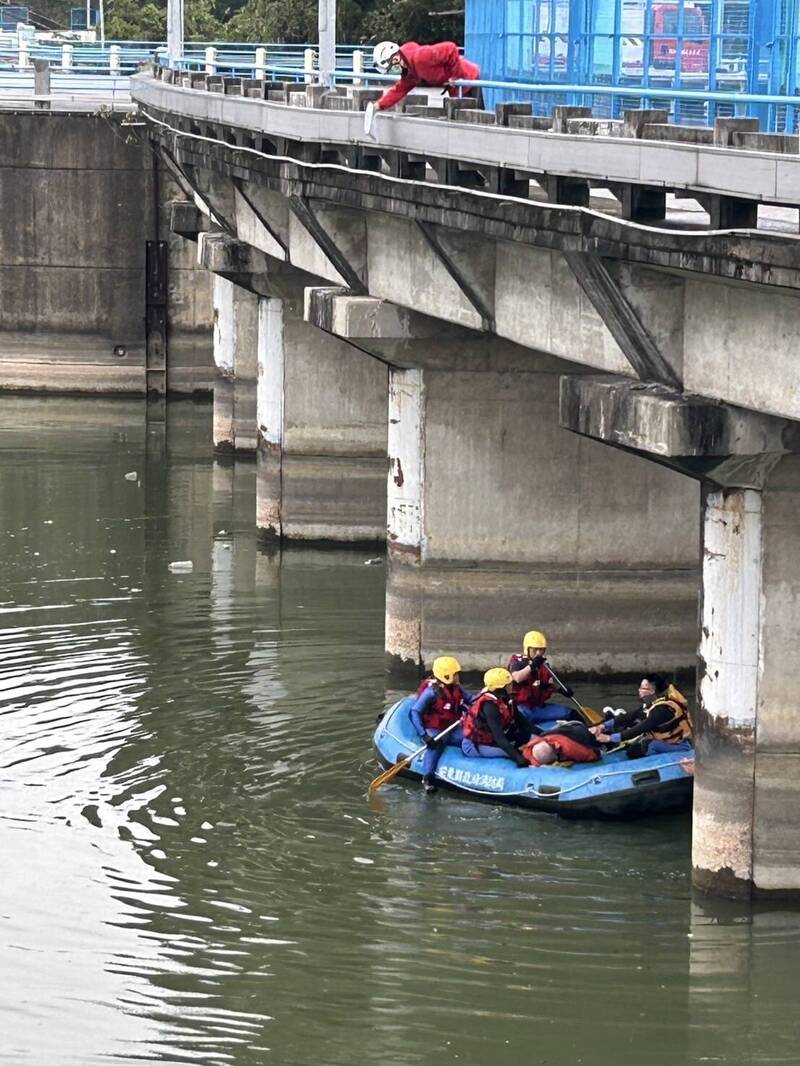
x,y
261,63
308,64
24,60
66,56
358,66
41,84
211,60
327,42
114,63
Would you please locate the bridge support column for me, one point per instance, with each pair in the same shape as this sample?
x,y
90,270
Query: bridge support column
x,y
747,803
235,355
499,521
322,432
746,838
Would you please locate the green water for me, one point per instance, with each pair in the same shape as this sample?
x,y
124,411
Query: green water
x,y
190,870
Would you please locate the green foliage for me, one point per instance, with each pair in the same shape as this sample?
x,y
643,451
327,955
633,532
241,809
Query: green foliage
x,y
414,20
128,20
358,21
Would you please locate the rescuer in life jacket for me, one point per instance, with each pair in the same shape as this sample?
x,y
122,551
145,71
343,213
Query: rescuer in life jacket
x,y
660,723
570,742
533,682
434,65
440,701
489,722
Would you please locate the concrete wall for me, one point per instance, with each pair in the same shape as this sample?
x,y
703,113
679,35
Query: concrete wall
x,y
78,202
77,206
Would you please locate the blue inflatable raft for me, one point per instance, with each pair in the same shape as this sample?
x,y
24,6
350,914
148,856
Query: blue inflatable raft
x,y
614,787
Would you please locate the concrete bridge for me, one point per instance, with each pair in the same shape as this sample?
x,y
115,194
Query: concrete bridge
x,y
589,389
575,335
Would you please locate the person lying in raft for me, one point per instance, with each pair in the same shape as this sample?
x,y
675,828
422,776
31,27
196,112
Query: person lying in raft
x,y
570,742
660,723
533,682
489,722
440,701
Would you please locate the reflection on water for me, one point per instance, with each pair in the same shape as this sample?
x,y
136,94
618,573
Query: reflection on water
x,y
191,870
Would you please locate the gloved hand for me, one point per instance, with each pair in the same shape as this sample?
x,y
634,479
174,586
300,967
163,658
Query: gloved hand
x,y
537,661
521,761
568,692
431,743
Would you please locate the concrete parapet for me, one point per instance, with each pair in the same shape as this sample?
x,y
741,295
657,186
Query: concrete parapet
x,y
635,120
505,111
477,118
423,111
454,105
562,114
529,122
783,143
725,128
666,131
595,127
362,97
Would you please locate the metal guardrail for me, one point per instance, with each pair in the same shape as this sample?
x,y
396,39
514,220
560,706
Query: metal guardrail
x,y
95,65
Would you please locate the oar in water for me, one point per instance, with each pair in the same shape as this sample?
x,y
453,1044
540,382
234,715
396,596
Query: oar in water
x,y
589,714
393,771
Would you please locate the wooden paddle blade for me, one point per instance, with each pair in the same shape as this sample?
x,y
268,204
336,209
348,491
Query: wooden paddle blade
x,y
592,716
387,775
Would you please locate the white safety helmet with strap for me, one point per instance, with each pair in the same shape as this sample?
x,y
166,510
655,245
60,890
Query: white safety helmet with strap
x,y
382,55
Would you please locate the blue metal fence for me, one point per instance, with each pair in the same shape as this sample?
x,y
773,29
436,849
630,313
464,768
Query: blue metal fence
x,y
750,47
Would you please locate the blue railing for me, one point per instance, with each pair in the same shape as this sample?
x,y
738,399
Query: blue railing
x,y
730,46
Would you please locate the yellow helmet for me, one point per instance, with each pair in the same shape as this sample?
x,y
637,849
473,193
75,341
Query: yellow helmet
x,y
533,639
445,669
497,677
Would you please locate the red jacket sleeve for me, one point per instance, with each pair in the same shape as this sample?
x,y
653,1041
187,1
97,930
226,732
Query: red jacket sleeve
x,y
397,92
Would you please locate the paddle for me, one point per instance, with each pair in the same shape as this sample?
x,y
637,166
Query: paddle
x,y
589,714
393,771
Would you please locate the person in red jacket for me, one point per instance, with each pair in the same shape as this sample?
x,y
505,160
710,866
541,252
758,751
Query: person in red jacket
x,y
571,742
436,65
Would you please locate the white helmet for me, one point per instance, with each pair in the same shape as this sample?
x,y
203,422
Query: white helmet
x,y
382,55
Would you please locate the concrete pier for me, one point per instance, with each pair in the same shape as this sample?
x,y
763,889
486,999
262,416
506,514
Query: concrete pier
x,y
236,359
321,431
746,834
499,520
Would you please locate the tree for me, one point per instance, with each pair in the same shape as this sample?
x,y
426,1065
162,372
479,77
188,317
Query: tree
x,y
415,20
127,20
294,21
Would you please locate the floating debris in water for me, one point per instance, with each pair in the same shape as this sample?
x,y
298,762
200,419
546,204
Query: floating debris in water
x,y
131,475
373,562
181,566
364,862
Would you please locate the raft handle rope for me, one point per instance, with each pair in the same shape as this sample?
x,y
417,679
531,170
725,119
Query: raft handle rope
x,y
531,789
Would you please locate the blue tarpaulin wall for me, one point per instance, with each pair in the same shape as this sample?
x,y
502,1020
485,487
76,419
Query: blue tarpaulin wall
x,y
722,46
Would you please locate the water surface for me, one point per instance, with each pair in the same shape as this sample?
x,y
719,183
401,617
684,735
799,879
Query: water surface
x,y
191,871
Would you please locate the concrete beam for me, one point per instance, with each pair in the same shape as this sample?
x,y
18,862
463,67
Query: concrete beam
x,y
187,220
716,443
620,317
240,263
